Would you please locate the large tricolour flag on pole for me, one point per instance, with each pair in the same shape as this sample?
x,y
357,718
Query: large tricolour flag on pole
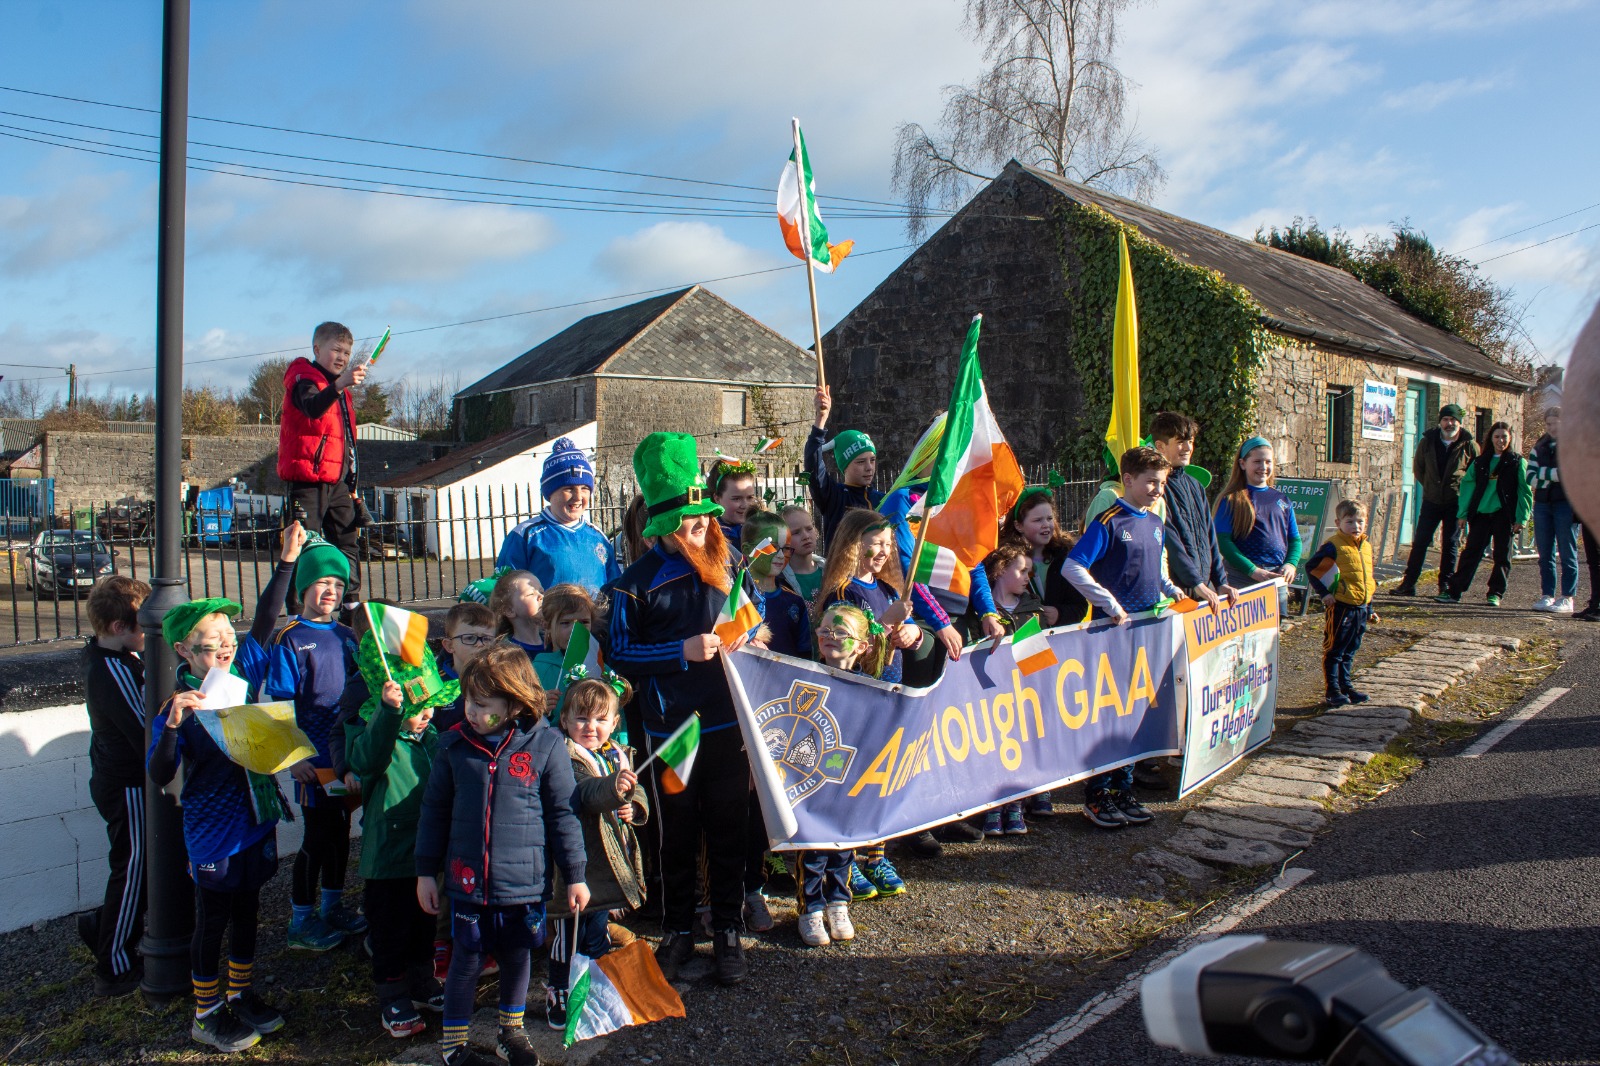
x,y
974,482
798,217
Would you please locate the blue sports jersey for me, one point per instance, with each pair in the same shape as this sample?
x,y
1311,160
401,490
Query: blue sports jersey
x,y
1267,543
307,664
555,554
787,619
1122,550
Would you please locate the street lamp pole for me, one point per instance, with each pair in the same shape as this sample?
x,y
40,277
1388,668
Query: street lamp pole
x,y
170,917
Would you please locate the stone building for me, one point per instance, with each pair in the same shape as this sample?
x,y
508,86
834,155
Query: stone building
x,y
687,362
1319,337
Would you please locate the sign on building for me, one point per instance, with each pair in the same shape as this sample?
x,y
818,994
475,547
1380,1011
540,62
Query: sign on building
x,y
1377,410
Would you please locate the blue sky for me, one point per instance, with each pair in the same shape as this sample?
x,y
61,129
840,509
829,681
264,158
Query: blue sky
x,y
1465,117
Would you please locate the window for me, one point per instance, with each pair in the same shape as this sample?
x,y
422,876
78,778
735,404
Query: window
x,y
733,407
577,401
1341,423
1480,430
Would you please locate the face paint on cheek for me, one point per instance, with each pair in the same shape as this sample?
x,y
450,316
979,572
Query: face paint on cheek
x,y
846,643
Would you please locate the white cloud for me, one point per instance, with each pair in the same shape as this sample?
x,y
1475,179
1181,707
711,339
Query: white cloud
x,y
352,241
80,218
1428,95
668,253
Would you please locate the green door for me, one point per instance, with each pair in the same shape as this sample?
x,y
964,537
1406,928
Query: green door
x,y
1416,403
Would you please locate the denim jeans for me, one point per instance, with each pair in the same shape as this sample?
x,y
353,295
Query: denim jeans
x,y
1554,531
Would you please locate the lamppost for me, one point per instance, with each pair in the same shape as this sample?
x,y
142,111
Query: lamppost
x,y
170,915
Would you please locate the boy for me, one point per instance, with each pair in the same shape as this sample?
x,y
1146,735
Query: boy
x,y
857,459
307,665
114,689
804,569
317,443
1193,556
786,613
1119,567
1341,573
561,544
469,629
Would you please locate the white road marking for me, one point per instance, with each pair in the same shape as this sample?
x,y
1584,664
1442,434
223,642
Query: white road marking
x,y
1505,728
1044,1044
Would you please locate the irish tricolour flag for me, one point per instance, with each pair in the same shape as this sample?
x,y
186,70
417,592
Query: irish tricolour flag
x,y
677,754
582,650
798,216
739,615
622,987
974,481
398,632
1030,648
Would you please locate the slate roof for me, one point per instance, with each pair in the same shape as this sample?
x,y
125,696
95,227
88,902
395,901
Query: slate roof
x,y
1298,296
691,333
17,435
457,464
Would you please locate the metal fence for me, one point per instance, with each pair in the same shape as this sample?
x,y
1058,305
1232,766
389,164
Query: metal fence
x,y
422,547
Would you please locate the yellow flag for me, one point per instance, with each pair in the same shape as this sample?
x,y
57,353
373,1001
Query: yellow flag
x,y
1123,431
259,736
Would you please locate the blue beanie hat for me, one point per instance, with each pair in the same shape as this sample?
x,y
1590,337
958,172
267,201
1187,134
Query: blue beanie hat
x,y
567,465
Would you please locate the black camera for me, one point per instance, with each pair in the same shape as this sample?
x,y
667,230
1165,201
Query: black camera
x,y
1246,995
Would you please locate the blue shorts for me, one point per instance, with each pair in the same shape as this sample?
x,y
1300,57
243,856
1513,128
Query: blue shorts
x,y
246,870
489,929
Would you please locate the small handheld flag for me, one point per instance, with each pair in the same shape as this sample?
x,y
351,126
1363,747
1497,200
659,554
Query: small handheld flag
x,y
622,987
1030,648
767,444
739,614
400,632
383,342
762,550
677,754
582,650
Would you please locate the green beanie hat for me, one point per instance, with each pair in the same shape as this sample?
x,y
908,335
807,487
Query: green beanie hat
x,y
849,444
319,559
667,467
1451,410
181,620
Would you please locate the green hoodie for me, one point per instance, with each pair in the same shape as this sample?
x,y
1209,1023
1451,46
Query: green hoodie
x,y
394,774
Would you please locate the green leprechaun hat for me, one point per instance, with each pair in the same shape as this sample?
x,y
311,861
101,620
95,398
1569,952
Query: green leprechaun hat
x,y
667,467
420,686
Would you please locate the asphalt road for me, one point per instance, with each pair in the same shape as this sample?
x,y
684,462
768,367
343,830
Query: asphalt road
x,y
1479,878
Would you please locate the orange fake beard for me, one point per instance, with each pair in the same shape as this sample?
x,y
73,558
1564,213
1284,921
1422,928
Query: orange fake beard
x,y
709,560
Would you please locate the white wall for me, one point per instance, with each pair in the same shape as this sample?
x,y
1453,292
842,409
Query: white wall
x,y
52,838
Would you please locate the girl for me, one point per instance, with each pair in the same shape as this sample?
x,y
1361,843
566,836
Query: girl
x,y
1255,523
805,566
1010,568
1496,499
863,569
787,614
1032,523
564,607
824,880
609,803
733,486
515,601
499,794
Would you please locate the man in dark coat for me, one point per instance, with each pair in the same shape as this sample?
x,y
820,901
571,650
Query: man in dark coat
x,y
1442,457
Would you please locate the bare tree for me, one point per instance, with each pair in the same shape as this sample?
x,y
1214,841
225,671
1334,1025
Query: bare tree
x,y
22,398
423,407
1051,98
263,395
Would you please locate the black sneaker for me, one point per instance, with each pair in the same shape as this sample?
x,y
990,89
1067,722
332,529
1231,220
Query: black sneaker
x,y
252,1011
89,928
223,1031
1335,699
1356,697
674,952
464,1055
1103,812
960,831
923,846
514,1047
1134,811
555,1008
1590,613
427,991
1403,590
729,955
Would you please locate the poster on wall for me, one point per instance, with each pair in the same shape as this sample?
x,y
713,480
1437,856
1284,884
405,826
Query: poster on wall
x,y
1232,683
1377,410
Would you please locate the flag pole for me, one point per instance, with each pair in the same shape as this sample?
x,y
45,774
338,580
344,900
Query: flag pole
x,y
811,273
916,553
366,605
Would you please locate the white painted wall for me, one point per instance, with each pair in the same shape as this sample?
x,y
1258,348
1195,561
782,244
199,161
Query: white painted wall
x,y
52,841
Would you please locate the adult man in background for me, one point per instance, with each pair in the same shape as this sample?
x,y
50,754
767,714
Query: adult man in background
x,y
1555,532
1441,458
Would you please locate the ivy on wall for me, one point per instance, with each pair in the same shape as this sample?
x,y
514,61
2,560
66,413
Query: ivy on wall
x,y
1201,345
485,415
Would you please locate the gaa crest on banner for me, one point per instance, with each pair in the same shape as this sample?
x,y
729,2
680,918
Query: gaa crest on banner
x,y
802,739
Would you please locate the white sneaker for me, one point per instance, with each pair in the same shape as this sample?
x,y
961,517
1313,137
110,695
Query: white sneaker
x,y
1545,603
757,915
1562,606
813,934
839,924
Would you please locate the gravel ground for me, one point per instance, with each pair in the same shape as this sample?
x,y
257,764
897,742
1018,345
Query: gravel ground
x,y
988,934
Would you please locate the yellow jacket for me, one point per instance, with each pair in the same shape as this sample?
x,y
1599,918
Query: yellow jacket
x,y
1343,566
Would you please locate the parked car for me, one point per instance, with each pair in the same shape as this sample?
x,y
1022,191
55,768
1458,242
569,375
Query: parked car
x,y
68,561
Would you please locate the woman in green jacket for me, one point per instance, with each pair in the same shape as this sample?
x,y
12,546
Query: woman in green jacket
x,y
1496,500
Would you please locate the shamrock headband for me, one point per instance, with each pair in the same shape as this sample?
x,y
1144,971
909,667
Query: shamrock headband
x,y
1030,495
580,672
726,467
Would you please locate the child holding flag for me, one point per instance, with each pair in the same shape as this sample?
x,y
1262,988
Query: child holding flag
x,y
664,639
499,795
1119,566
1340,572
857,459
864,570
609,803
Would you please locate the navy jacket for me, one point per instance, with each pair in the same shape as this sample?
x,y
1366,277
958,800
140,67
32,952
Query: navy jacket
x,y
832,496
489,814
1193,556
658,603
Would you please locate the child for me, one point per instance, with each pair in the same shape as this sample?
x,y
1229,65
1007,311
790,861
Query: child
x,y
230,815
562,608
787,616
1496,499
1256,530
1010,569
1032,524
1193,556
1119,567
733,486
804,569
317,442
864,569
499,793
610,804
308,665
824,879
561,543
469,628
515,601
857,459
1341,573
114,690
391,747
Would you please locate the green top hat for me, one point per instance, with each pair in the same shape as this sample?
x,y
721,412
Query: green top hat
x,y
667,466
